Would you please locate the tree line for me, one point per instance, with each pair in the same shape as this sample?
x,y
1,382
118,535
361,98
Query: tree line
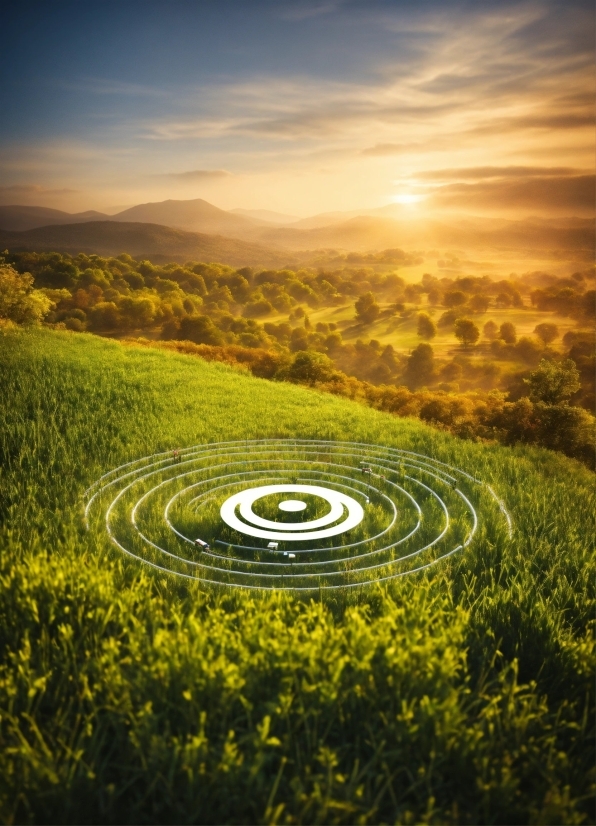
x,y
222,312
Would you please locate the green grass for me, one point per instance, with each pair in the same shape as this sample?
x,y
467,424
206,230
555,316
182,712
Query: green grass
x,y
462,695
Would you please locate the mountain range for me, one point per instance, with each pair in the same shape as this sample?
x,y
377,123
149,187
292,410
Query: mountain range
x,y
175,228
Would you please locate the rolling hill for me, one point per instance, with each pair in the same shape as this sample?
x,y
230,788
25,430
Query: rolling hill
x,y
194,216
19,218
142,240
368,233
128,695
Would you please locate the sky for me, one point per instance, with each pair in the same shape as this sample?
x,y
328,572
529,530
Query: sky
x,y
300,106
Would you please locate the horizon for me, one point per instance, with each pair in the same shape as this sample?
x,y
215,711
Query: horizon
x,y
303,108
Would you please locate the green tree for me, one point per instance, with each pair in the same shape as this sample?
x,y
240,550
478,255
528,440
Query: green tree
x,y
310,367
466,331
553,383
367,308
201,330
19,302
426,326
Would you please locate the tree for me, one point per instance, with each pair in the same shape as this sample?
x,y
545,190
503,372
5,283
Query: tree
x,y
466,331
420,366
454,298
19,302
490,330
367,308
310,367
201,330
508,332
479,303
547,332
426,326
528,349
553,383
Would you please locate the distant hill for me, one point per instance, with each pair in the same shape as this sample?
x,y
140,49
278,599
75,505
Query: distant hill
x,y
152,241
366,233
370,230
266,216
19,218
194,216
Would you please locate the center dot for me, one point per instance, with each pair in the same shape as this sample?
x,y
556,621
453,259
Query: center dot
x,y
292,505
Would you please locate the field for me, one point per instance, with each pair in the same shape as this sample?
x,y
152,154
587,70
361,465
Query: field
x,y
459,694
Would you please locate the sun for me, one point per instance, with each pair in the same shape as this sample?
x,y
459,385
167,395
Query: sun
x,y
407,198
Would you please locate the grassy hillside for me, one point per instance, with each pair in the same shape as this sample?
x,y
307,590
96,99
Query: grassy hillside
x,y
460,695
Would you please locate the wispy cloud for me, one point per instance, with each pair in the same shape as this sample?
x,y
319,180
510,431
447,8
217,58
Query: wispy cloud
x,y
489,105
381,150
483,172
196,175
33,189
482,78
108,86
295,12
561,194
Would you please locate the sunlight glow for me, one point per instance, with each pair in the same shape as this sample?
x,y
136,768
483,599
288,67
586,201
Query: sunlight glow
x,y
407,198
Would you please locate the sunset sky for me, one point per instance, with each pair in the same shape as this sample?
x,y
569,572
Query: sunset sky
x,y
300,107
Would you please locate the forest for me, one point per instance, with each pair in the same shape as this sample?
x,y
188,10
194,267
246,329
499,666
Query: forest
x,y
508,360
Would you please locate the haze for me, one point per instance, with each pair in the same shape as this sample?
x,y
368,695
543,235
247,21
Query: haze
x,y
300,107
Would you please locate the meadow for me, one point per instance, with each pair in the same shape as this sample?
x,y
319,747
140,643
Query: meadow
x,y
460,694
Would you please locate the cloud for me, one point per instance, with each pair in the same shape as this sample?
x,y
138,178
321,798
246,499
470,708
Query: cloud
x,y
32,194
107,86
33,189
457,78
194,175
383,149
484,172
563,194
303,11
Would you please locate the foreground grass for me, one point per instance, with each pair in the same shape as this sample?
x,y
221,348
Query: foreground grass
x,y
463,696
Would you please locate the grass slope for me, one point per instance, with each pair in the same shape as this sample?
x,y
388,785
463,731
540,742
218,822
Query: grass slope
x,y
153,241
464,695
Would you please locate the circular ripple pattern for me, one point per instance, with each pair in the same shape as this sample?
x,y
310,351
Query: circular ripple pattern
x,y
292,514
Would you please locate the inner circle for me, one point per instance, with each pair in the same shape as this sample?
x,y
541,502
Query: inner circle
x,y
292,506
248,498
296,531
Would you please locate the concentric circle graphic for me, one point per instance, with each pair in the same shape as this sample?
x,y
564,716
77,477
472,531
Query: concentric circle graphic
x,y
299,515
293,531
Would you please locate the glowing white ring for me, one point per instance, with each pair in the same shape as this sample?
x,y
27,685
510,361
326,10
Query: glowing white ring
x,y
301,530
250,496
292,506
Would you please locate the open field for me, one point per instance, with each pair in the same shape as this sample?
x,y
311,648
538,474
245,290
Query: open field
x,y
462,694
402,334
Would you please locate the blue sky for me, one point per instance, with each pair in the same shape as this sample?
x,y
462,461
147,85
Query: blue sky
x,y
302,106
